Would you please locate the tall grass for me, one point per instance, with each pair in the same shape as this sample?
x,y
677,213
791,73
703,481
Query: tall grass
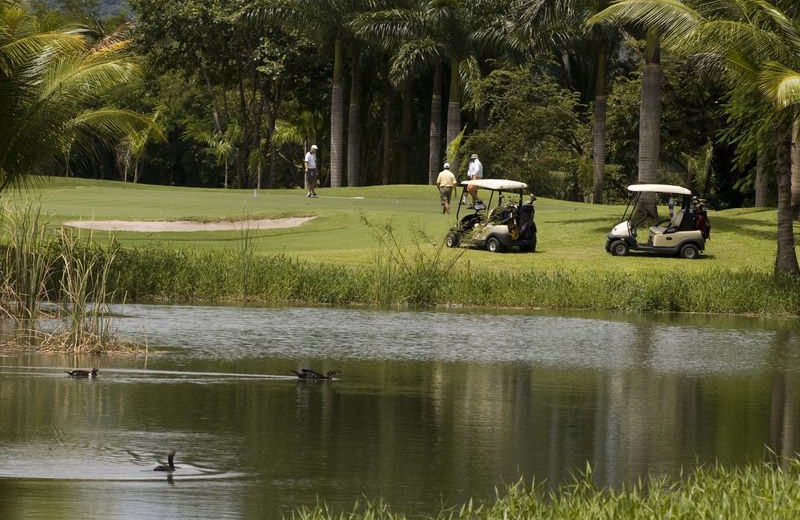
x,y
416,277
85,296
40,266
763,491
245,254
424,270
27,265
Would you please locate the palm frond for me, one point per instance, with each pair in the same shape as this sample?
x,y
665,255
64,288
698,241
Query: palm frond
x,y
780,84
287,133
388,27
411,58
111,124
672,18
788,29
24,50
470,71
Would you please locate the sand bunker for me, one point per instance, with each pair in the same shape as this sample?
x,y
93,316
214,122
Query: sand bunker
x,y
186,225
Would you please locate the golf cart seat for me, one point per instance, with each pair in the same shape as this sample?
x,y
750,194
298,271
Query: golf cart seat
x,y
674,224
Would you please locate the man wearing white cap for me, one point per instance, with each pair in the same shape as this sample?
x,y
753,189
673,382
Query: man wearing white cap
x,y
446,181
474,173
311,172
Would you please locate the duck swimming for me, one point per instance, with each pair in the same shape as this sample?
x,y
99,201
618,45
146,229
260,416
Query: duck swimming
x,y
83,373
306,373
170,467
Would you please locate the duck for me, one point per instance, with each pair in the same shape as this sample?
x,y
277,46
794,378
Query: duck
x,y
83,373
306,373
170,467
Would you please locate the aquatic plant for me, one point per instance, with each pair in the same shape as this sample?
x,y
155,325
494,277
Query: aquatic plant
x,y
39,266
27,265
245,254
85,295
422,272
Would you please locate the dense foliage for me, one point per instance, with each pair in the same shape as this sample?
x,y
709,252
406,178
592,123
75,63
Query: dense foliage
x,y
244,90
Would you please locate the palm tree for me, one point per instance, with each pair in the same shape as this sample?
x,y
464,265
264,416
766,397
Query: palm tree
x,y
49,86
650,107
755,46
560,25
796,168
354,126
427,34
327,21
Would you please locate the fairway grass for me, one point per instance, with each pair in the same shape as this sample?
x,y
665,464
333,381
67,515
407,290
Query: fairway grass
x,y
570,252
571,235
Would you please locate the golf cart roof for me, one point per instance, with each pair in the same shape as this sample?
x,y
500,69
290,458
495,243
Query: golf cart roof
x,y
497,184
659,188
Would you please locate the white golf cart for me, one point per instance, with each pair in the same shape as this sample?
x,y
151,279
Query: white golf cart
x,y
502,223
685,233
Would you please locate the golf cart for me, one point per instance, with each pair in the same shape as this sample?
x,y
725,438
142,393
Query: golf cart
x,y
504,222
684,233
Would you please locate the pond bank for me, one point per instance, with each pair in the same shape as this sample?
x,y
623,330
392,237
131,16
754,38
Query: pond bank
x,y
763,491
189,276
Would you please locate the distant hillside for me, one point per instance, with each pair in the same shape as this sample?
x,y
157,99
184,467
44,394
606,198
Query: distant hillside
x,y
110,7
104,7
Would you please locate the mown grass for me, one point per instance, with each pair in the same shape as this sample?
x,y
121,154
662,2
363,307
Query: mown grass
x,y
753,492
339,257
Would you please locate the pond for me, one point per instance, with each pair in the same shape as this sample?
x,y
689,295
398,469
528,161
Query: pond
x,y
431,408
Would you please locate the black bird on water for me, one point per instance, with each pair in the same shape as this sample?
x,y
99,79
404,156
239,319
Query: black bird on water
x,y
170,467
306,373
83,373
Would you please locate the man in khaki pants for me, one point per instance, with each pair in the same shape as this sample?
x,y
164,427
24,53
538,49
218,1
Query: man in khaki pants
x,y
446,181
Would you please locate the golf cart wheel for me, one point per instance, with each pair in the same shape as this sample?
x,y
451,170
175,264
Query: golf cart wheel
x,y
690,251
451,240
494,245
619,248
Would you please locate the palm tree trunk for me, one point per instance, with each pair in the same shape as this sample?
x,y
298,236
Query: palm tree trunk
x,y
650,125
259,169
786,258
599,130
407,130
435,140
454,111
386,172
354,129
272,175
762,177
337,117
796,168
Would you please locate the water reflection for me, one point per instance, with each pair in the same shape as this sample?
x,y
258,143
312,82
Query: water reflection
x,y
431,408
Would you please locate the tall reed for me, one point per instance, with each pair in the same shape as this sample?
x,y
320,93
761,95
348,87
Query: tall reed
x,y
85,293
27,264
245,253
423,272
